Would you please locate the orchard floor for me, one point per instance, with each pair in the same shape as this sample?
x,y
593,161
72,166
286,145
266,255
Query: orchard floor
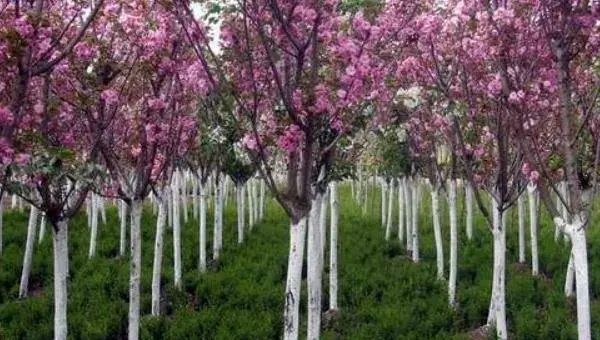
x,y
383,295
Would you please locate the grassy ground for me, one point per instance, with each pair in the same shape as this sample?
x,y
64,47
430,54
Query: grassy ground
x,y
382,294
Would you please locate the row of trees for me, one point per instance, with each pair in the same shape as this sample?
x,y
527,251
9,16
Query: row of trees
x,y
114,96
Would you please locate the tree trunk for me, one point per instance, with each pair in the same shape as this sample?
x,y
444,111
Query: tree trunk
x,y
314,258
570,277
239,189
469,206
183,195
408,206
88,210
533,227
218,227
176,187
521,213
135,269
388,228
195,197
401,210
255,200
437,232
261,212
102,208
60,241
497,313
158,251
42,227
415,221
170,210
291,313
28,258
580,259
1,223
202,227
123,231
250,204
383,203
94,230
453,243
333,237
323,224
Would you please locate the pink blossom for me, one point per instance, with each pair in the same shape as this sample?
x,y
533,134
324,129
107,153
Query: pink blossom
x,y
249,142
22,159
157,103
291,138
6,116
110,96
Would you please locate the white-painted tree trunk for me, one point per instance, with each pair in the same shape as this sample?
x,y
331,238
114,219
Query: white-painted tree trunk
x,y
202,229
314,258
383,203
323,223
60,241
291,314
250,204
195,197
239,189
255,200
437,231
183,195
408,205
1,223
333,237
42,228
416,257
135,269
101,202
218,225
390,209
497,313
176,187
570,277
533,227
88,210
13,203
123,230
94,229
28,257
401,210
521,213
577,233
158,252
261,212
469,208
170,210
559,208
452,277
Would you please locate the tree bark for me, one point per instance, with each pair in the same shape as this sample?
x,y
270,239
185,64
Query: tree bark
x,y
533,227
123,231
333,238
42,227
453,243
521,213
28,257
323,224
218,227
390,208
408,205
383,203
239,189
202,231
415,221
314,258
176,187
497,313
94,229
469,207
437,232
135,269
158,251
401,210
580,260
291,313
60,243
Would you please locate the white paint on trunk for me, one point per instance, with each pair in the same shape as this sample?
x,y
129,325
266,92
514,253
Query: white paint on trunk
x,y
415,220
580,259
218,219
183,195
291,314
255,200
333,237
176,187
102,208
408,205
1,223
390,209
314,257
158,252
437,232
469,207
60,243
533,227
202,229
195,197
400,210
521,213
123,230
383,203
88,210
570,278
28,257
250,204
497,313
135,269
323,223
94,229
42,227
239,190
453,243
261,212
13,204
